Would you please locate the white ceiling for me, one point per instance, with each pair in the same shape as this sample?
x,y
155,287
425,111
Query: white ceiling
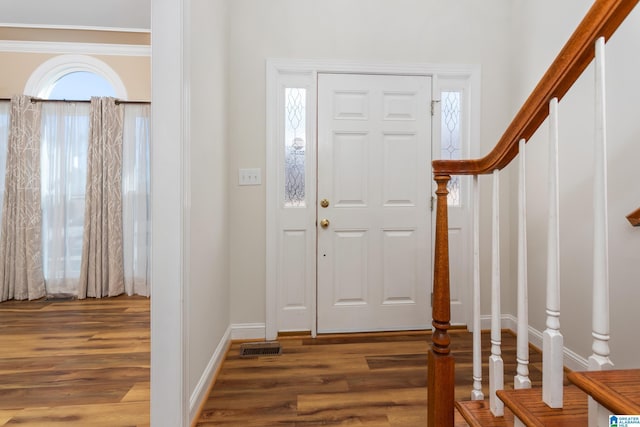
x,y
112,14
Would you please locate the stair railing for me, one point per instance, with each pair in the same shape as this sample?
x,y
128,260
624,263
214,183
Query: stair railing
x,y
600,22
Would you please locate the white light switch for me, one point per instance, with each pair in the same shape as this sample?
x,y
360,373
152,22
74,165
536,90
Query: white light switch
x,y
249,176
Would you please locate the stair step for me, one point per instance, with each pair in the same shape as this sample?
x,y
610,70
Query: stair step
x,y
477,413
527,405
617,390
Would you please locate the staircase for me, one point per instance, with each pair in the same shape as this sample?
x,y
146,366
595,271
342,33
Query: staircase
x,y
593,395
618,391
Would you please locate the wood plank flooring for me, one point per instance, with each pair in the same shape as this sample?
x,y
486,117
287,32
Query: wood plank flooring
x,y
75,363
86,363
355,380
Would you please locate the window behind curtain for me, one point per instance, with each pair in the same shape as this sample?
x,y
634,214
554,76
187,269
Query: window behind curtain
x,y
80,85
65,140
63,163
5,107
136,226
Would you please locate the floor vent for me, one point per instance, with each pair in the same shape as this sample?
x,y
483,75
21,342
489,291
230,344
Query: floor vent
x,y
255,349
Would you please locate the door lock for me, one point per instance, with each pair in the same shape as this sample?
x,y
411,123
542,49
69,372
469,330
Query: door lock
x,y
324,203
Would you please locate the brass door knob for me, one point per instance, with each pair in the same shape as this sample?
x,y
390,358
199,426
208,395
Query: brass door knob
x,y
324,223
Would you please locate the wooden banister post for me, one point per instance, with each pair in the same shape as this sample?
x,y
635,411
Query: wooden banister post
x,y
440,377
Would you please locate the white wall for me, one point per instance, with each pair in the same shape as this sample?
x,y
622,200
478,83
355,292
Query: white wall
x,y
402,31
190,281
208,302
541,36
191,226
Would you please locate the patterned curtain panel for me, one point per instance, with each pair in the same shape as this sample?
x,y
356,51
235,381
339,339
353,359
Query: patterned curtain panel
x,y
102,271
20,238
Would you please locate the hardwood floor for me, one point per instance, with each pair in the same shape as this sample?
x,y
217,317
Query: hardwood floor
x,y
75,363
86,363
356,380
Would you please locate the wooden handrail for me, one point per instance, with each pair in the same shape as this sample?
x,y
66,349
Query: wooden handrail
x,y
602,20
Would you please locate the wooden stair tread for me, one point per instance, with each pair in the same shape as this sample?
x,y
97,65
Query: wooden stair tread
x,y
477,413
527,405
617,390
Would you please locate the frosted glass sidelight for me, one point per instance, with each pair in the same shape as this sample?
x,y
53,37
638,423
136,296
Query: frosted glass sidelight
x,y
451,135
294,146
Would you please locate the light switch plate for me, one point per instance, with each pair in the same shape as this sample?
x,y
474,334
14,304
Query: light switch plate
x,y
249,176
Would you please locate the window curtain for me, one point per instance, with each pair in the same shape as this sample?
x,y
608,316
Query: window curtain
x,y
21,274
65,138
5,107
102,267
62,130
135,199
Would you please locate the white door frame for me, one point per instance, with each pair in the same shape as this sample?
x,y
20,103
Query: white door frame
x,y
281,73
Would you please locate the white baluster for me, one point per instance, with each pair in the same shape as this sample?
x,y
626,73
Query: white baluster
x,y
521,380
552,339
496,366
476,393
599,360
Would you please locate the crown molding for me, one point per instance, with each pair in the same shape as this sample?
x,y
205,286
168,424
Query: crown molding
x,y
74,48
75,27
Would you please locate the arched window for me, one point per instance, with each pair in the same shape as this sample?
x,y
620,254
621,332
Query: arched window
x,y
64,153
80,85
74,77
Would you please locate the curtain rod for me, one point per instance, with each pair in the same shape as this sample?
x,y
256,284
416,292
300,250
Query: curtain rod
x,y
118,101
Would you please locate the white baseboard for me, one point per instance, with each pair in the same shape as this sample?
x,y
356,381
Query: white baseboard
x,y
248,331
507,321
200,393
572,360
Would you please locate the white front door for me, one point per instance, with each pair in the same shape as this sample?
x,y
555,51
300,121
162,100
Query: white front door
x,y
374,177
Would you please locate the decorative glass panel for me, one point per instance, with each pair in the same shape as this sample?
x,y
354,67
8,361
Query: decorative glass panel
x,y
451,136
294,146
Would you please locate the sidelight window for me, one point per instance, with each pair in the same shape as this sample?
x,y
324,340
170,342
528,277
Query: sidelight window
x,y
451,138
294,146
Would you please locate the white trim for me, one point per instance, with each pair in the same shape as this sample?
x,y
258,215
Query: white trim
x,y
248,331
507,321
572,360
185,198
357,67
77,48
469,85
169,310
277,68
41,80
201,391
271,258
305,315
75,27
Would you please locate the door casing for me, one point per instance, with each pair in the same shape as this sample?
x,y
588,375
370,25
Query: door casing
x,y
304,73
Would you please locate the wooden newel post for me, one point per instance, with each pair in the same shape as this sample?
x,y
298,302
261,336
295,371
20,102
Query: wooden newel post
x,y
440,377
